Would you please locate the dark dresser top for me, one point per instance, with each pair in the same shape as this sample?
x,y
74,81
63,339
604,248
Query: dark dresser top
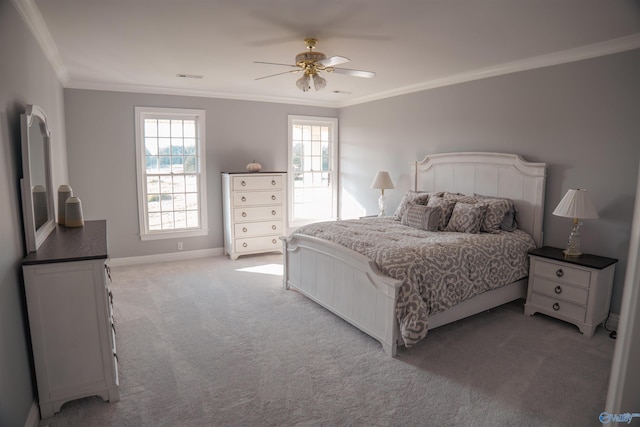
x,y
585,260
66,244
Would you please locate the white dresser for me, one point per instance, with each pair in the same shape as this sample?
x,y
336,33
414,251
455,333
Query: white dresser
x,y
70,311
254,206
574,289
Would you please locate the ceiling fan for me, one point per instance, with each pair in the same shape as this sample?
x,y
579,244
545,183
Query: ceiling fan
x,y
311,63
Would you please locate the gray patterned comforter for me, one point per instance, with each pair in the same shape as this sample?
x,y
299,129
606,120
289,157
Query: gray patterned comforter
x,y
437,269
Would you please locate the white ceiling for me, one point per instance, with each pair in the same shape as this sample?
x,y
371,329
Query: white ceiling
x,y
140,45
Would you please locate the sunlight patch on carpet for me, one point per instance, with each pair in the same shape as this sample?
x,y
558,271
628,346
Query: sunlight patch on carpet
x,y
273,269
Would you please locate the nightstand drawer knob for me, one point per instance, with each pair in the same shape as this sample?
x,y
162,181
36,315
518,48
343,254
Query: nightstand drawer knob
x,y
244,199
244,230
244,214
556,306
558,290
559,272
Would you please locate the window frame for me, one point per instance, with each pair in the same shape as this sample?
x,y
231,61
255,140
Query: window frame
x,y
332,123
142,113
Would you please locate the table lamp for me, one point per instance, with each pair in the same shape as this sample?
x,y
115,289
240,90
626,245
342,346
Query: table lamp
x,y
382,182
575,204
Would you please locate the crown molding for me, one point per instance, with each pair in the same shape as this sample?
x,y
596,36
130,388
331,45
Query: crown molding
x,y
594,50
35,22
160,90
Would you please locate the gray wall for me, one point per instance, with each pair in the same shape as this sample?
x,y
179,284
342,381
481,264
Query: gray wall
x,y
101,155
25,78
581,119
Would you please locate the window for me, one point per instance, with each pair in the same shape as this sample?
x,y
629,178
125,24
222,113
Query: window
x,y
312,176
171,172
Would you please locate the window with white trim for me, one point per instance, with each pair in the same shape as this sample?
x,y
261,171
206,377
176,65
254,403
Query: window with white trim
x,y
170,154
312,171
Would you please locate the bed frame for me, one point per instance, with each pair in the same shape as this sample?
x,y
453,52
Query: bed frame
x,y
350,284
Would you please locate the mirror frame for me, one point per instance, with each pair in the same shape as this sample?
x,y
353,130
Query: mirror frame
x,y
34,238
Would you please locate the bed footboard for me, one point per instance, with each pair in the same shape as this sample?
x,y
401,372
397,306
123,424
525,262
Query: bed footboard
x,y
344,282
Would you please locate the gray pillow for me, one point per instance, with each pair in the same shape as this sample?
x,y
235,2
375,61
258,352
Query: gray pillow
x,y
508,221
422,217
416,197
447,208
467,217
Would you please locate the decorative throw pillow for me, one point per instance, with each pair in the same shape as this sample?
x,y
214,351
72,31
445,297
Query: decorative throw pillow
x,y
447,208
501,211
467,217
422,217
459,197
416,197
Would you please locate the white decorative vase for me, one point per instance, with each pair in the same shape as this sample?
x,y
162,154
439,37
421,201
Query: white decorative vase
x,y
73,213
254,167
64,192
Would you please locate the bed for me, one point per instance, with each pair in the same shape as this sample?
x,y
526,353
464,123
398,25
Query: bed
x,y
355,287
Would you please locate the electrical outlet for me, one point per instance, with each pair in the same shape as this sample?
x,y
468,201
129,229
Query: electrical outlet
x,y
180,247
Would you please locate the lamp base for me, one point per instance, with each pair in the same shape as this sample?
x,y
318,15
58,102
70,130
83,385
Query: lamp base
x,y
381,203
574,244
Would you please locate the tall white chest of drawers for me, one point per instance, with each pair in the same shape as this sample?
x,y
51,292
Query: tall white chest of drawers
x,y
70,310
254,207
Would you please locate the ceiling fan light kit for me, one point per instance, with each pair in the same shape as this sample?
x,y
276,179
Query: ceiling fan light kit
x,y
310,63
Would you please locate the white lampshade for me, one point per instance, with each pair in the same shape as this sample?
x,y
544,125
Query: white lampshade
x,y
576,204
382,181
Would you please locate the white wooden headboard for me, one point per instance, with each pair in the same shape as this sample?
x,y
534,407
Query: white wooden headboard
x,y
489,174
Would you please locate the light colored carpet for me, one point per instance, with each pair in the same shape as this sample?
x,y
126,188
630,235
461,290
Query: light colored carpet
x,y
215,342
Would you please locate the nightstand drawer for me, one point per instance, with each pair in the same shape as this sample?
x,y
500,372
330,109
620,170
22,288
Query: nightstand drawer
x,y
562,273
558,307
552,288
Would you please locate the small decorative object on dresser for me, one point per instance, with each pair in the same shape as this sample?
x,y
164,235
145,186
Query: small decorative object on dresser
x,y
574,289
254,167
73,212
254,212
64,192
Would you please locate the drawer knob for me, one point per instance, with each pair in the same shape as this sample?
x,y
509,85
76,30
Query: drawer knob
x,y
558,290
273,227
273,212
244,229
273,197
273,182
556,306
243,183
559,272
244,245
244,214
244,199
274,241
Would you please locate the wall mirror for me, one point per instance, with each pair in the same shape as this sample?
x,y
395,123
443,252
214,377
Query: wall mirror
x,y
37,194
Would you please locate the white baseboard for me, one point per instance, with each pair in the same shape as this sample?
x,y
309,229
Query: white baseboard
x,y
33,419
173,256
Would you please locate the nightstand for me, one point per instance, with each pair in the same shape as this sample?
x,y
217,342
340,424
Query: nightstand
x,y
574,289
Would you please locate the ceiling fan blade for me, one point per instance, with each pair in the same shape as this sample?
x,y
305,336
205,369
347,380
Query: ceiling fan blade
x,y
333,60
277,74
355,73
274,63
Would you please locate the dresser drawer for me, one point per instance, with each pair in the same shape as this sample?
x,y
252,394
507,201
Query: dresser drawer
x,y
562,273
262,213
555,307
554,289
253,198
261,182
250,229
252,244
